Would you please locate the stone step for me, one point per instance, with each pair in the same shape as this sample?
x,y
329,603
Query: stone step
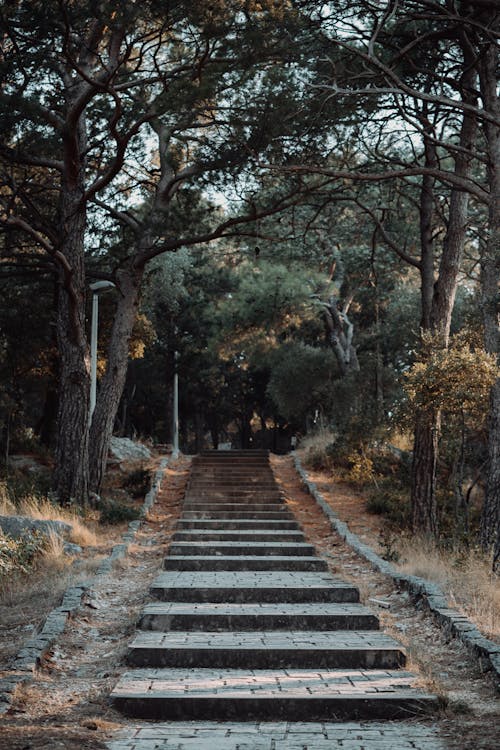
x,y
288,695
249,480
245,506
258,586
257,524
242,515
277,735
239,536
274,650
241,548
233,496
162,616
243,562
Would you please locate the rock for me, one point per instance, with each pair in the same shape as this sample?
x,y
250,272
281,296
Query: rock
x,y
72,549
17,526
125,449
27,464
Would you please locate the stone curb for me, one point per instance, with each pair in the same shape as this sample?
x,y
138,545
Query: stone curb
x,y
29,658
427,593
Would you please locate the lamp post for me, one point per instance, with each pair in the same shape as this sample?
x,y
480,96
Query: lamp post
x,y
175,430
96,288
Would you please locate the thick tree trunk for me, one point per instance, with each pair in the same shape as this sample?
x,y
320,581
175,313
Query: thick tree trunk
x,y
340,335
70,479
438,299
490,280
424,507
113,382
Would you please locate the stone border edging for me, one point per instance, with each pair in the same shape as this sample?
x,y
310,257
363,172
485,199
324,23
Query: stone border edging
x,y
29,658
420,589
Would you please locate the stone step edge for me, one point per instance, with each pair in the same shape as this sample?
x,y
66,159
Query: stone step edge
x,y
164,649
402,704
30,656
420,590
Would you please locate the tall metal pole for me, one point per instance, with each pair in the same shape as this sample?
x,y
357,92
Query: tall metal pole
x,y
96,288
93,352
175,431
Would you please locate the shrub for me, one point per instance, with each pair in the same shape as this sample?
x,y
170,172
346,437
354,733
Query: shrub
x,y
390,500
138,483
113,513
19,555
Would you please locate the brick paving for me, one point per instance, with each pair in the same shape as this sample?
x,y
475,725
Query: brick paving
x,y
280,736
241,632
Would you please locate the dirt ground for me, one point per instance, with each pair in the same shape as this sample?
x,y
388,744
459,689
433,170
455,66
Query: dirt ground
x,y
470,719
67,705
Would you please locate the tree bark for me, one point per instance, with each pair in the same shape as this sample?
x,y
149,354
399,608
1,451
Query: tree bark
x,y
490,280
340,335
71,473
425,452
113,381
438,299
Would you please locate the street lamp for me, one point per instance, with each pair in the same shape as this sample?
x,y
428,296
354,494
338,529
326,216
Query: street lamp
x,y
175,431
96,288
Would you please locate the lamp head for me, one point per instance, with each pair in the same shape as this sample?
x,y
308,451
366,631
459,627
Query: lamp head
x,y
101,286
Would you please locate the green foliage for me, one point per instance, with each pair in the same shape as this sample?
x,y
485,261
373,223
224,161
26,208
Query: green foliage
x,y
116,513
300,379
138,482
389,498
457,380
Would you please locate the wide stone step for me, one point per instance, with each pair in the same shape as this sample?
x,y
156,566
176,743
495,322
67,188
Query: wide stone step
x,y
274,650
250,481
241,548
272,735
242,562
291,694
243,515
241,524
233,496
243,506
162,616
239,536
261,586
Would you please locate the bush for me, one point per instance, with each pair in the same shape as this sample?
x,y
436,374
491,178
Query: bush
x,y
19,555
113,513
138,483
319,450
390,500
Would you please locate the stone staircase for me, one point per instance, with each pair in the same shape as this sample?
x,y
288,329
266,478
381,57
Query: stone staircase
x,y
250,625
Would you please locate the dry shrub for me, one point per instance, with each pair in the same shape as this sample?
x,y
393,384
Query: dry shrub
x,y
315,449
41,508
465,577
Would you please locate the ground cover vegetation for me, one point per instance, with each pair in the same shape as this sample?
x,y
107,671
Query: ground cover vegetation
x,y
298,204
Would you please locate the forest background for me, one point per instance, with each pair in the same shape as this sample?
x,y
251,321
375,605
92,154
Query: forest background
x,y
298,205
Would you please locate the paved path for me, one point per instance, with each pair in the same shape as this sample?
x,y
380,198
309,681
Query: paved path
x,y
250,627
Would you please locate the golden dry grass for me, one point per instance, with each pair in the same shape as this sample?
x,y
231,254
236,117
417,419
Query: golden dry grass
x,y
465,577
43,509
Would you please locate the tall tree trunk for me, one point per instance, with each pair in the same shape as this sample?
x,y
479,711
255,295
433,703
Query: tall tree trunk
x,y
425,452
490,280
426,428
436,316
113,382
70,479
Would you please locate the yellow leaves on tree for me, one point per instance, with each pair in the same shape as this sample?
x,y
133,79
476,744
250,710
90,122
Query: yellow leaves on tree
x,y
456,380
143,336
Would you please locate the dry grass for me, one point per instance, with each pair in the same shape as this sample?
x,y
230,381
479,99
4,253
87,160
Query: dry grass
x,y
319,440
466,579
41,508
